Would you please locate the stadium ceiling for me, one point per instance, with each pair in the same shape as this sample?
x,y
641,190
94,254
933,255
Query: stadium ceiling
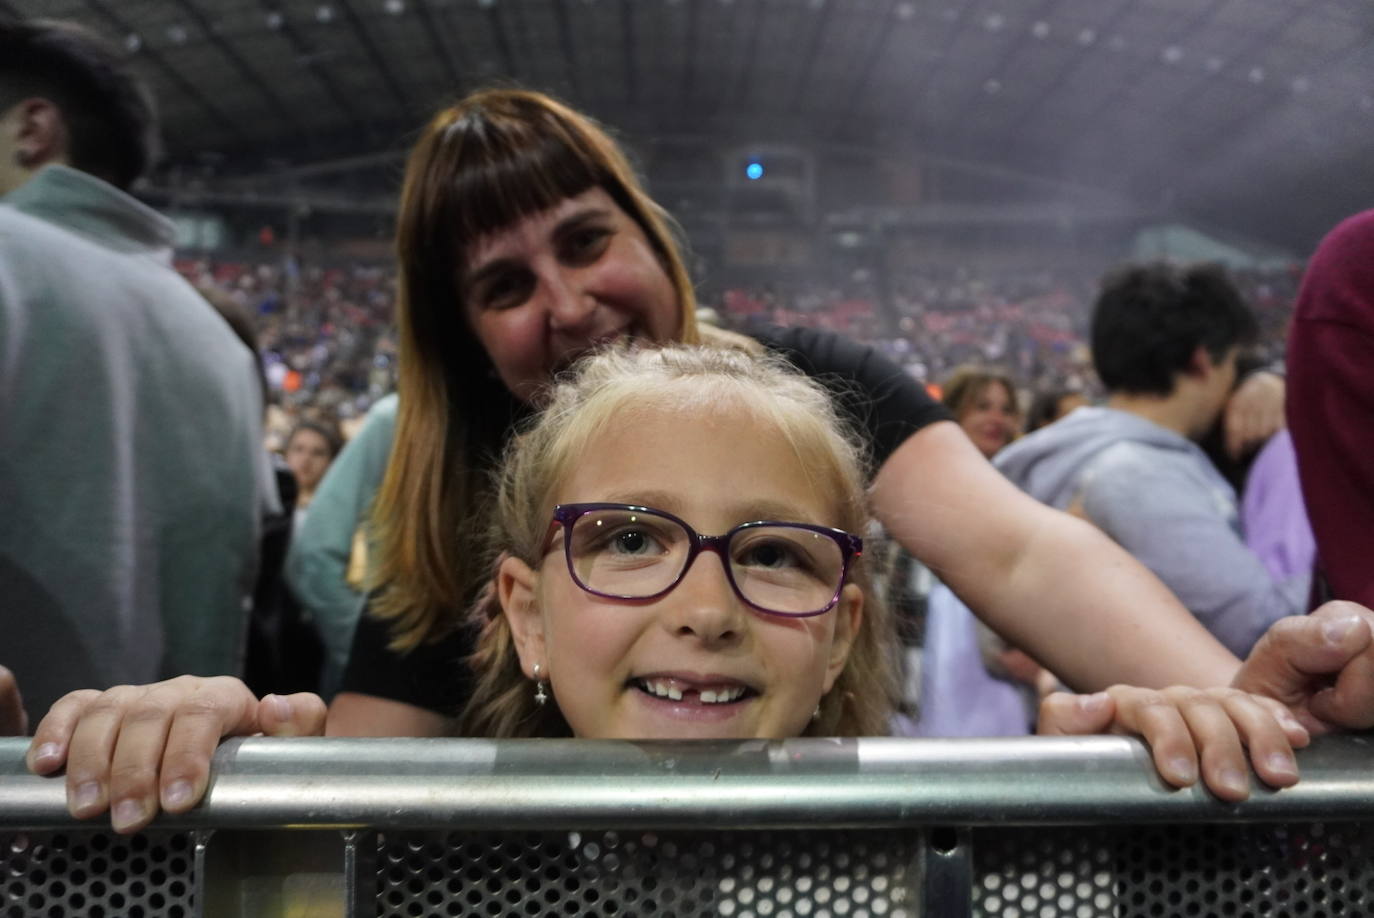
x,y
1253,115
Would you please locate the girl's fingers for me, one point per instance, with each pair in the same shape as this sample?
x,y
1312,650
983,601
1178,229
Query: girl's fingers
x,y
1297,735
91,750
48,751
302,714
1158,721
1264,737
1217,739
214,709
1067,714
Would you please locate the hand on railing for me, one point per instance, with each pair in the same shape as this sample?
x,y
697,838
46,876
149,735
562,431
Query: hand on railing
x,y
135,747
1182,724
1321,665
13,720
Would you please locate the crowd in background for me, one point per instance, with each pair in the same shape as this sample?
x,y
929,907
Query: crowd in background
x,y
329,349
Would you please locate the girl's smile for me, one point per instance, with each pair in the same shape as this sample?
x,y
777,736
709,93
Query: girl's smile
x,y
696,661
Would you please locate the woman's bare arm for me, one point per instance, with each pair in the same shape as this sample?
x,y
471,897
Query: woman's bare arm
x,y
1046,581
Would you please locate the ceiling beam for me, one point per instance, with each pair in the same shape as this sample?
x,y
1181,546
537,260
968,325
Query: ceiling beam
x,y
497,23
309,58
568,47
443,49
247,72
745,73
858,93
374,55
627,50
172,74
813,45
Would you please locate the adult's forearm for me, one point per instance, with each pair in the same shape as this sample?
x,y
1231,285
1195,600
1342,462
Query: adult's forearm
x,y
1046,581
1104,617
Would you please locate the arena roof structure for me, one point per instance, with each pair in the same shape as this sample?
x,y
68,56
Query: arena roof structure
x,y
1253,115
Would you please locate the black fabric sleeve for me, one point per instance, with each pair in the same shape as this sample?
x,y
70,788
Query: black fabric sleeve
x,y
878,397
434,675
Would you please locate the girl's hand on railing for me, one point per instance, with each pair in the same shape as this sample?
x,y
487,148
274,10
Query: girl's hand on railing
x,y
1182,724
135,747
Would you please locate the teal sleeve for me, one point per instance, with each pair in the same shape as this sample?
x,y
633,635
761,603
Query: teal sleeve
x,y
317,563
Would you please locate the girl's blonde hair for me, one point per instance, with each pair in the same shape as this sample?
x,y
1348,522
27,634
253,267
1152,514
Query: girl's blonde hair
x,y
616,385
479,166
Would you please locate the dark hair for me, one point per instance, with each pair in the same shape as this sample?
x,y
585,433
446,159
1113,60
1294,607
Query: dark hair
x,y
107,110
1149,320
1044,407
331,435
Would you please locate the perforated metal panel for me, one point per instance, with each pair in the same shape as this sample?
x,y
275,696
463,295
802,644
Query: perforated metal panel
x,y
1319,871
675,875
96,875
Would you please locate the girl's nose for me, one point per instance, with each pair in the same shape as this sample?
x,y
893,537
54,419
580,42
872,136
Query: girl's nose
x,y
703,605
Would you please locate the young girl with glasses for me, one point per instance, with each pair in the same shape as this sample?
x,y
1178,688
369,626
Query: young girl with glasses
x,y
676,555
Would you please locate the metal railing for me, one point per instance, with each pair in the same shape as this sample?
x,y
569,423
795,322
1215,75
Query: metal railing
x,y
1008,827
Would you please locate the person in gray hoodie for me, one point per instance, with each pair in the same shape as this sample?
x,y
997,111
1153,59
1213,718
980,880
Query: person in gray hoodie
x,y
1165,341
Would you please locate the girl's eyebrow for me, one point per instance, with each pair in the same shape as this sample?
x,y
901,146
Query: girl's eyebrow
x,y
745,512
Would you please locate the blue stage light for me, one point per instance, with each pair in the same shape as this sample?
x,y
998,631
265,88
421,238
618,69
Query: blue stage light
x,y
754,171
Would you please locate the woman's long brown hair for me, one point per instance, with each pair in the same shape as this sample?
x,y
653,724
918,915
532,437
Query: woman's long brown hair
x,y
479,166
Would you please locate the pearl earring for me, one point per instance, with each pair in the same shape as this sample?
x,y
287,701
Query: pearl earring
x,y
541,697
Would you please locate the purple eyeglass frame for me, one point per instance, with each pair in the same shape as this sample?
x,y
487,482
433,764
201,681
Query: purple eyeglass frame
x,y
851,547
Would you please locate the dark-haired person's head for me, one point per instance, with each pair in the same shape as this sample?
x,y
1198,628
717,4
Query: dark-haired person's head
x,y
1165,340
1151,321
68,96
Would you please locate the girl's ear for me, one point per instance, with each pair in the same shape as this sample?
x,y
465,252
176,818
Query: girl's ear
x,y
849,617
516,584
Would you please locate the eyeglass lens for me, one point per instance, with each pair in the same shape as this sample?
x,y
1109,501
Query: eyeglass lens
x,y
632,554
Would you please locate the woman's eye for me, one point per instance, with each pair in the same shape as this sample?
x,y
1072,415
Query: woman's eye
x,y
587,243
503,292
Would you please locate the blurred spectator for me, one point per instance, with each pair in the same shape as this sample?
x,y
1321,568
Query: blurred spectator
x,y
1331,404
326,567
1049,405
984,404
1165,343
310,449
131,471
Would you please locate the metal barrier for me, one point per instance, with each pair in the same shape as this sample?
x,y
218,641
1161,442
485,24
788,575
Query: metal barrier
x,y
871,827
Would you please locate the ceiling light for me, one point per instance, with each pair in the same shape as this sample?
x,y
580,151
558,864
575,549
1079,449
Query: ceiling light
x,y
1301,84
1214,64
395,7
1087,37
906,10
817,4
325,13
1256,75
994,21
132,42
275,20
993,86
1041,29
1117,43
486,4
1172,54
176,34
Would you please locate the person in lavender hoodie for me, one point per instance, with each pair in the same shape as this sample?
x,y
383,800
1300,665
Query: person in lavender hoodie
x,y
1165,341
